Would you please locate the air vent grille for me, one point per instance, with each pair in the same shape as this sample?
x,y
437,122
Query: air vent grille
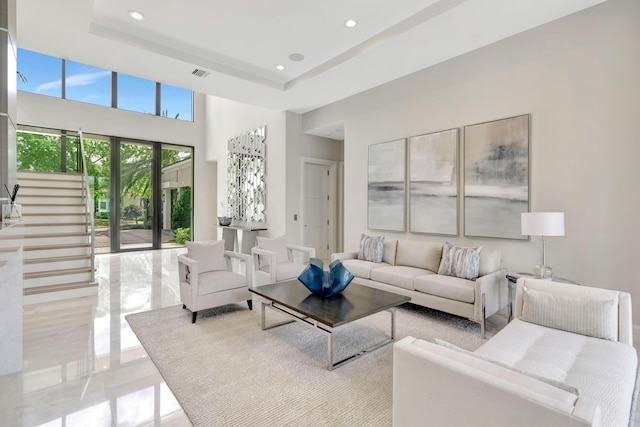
x,y
200,73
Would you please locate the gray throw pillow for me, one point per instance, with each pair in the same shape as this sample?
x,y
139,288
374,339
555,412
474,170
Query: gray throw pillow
x,y
371,248
460,262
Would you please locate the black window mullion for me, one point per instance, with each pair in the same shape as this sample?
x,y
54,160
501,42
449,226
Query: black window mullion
x,y
156,195
63,151
114,89
114,214
64,79
158,96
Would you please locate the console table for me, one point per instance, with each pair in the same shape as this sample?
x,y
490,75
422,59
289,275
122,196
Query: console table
x,y
238,238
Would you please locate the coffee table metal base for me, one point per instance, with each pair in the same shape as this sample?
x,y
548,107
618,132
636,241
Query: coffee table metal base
x,y
328,331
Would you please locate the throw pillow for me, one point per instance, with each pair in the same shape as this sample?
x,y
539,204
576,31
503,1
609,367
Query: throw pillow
x,y
590,317
209,255
371,248
460,262
277,245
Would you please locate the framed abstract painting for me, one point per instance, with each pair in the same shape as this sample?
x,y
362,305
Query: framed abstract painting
x,y
386,186
433,183
496,177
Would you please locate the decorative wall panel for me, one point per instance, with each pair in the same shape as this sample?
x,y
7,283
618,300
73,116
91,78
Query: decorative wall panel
x,y
246,189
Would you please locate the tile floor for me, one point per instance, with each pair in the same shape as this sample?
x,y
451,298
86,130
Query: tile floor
x,y
83,366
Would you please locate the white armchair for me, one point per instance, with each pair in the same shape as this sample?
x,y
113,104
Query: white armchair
x,y
275,261
207,278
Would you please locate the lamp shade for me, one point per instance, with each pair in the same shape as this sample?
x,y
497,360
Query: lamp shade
x,y
543,223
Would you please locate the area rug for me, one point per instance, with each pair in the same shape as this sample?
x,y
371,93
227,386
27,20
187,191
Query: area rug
x,y
225,371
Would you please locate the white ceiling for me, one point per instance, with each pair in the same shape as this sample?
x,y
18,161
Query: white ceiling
x,y
240,42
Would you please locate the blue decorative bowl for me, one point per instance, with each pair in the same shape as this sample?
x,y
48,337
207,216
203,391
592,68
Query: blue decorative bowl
x,y
325,283
224,220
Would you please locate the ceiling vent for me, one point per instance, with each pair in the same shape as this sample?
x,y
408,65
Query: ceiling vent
x,y
200,73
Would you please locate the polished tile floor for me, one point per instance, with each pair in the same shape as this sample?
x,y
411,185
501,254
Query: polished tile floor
x,y
83,366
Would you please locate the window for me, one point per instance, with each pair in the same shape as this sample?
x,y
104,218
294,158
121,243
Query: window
x,y
87,84
136,94
39,73
176,102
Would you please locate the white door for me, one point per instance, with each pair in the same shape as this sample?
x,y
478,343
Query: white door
x,y
317,209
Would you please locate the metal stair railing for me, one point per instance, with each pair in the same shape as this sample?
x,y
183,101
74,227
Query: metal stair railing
x,y
86,197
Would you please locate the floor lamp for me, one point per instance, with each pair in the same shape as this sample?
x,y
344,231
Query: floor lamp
x,y
543,224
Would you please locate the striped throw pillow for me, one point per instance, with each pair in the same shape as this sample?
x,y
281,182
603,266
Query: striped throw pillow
x,y
371,248
460,262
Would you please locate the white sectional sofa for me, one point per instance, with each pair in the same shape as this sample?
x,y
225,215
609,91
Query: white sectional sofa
x,y
410,267
566,360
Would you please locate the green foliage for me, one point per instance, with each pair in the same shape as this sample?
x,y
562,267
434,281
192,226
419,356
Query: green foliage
x,y
103,215
38,152
131,212
181,212
182,235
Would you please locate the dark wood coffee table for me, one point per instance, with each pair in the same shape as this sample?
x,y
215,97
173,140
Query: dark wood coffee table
x,y
294,300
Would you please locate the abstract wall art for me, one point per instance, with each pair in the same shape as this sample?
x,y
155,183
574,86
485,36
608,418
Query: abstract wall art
x,y
386,186
433,183
496,177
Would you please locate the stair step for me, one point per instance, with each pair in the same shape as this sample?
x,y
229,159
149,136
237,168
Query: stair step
x,y
49,224
56,259
53,235
62,224
53,214
56,247
45,209
52,185
51,273
59,287
48,176
28,199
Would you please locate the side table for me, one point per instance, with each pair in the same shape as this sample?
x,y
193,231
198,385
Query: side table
x,y
512,278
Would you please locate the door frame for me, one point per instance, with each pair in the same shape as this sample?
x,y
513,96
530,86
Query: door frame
x,y
333,198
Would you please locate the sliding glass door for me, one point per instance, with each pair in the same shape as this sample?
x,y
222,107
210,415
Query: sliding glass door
x,y
135,195
141,190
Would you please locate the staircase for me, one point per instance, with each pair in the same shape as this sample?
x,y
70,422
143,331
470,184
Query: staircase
x,y
58,258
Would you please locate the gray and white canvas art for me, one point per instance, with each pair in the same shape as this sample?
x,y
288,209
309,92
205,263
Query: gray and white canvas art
x,y
496,177
386,185
433,183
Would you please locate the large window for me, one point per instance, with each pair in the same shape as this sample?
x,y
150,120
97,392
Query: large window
x,y
176,102
39,73
136,94
87,84
42,74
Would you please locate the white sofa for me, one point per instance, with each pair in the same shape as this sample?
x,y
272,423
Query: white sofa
x,y
528,374
410,267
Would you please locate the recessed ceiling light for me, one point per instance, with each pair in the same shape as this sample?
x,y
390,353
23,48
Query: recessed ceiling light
x,y
296,57
280,67
138,16
350,23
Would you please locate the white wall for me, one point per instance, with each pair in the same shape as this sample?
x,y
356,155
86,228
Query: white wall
x,y
226,119
48,112
286,145
578,77
299,146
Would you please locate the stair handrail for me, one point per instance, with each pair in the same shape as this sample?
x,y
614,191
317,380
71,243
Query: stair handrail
x,y
86,195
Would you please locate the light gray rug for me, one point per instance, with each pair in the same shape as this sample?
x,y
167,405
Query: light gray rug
x,y
225,371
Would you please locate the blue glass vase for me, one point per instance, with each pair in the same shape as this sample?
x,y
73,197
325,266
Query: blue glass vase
x,y
325,283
